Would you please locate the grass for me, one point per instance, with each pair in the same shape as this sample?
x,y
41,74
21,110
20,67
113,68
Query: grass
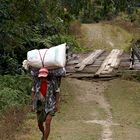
x,y
124,97
14,96
10,122
104,36
124,21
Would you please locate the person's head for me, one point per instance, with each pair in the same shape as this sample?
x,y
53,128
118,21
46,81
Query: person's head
x,y
43,73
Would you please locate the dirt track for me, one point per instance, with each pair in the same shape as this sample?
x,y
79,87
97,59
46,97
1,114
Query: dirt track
x,y
83,105
94,93
86,113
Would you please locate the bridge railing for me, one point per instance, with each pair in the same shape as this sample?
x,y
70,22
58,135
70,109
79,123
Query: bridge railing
x,y
135,51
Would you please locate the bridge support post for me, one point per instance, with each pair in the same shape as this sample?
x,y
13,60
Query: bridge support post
x,y
132,59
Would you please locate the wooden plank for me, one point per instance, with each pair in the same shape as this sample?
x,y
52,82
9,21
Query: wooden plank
x,y
89,60
77,75
89,69
110,62
117,60
72,62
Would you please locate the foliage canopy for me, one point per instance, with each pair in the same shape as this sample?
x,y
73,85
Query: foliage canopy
x,y
30,24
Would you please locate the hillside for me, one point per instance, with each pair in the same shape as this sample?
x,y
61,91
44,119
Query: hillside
x,y
105,36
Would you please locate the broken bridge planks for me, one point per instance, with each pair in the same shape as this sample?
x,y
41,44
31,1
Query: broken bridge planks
x,y
112,61
89,60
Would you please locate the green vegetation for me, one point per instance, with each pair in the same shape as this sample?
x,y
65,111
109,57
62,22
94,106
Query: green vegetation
x,y
15,98
14,92
27,25
104,36
30,24
36,24
96,10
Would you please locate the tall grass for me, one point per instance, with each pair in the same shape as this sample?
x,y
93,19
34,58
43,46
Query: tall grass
x,y
14,91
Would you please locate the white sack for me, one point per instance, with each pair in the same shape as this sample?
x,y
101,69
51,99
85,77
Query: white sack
x,y
53,57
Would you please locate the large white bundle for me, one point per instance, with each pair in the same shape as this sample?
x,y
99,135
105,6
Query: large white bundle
x,y
52,58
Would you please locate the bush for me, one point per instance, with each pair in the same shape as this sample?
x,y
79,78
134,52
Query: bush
x,y
15,91
10,98
75,28
71,42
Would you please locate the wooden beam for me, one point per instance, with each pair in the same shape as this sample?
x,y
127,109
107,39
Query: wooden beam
x,y
72,62
89,60
112,61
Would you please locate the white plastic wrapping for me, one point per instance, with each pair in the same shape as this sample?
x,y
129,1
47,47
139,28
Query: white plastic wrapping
x,y
52,58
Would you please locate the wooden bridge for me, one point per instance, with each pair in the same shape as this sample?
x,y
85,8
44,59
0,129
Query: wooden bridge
x,y
103,64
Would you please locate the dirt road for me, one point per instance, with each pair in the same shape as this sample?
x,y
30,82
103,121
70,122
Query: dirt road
x,y
86,114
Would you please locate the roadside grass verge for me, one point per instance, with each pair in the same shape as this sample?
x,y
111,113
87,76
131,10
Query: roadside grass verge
x,y
15,91
124,97
14,103
10,122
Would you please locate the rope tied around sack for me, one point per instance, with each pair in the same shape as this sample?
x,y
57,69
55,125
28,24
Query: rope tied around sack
x,y
42,60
